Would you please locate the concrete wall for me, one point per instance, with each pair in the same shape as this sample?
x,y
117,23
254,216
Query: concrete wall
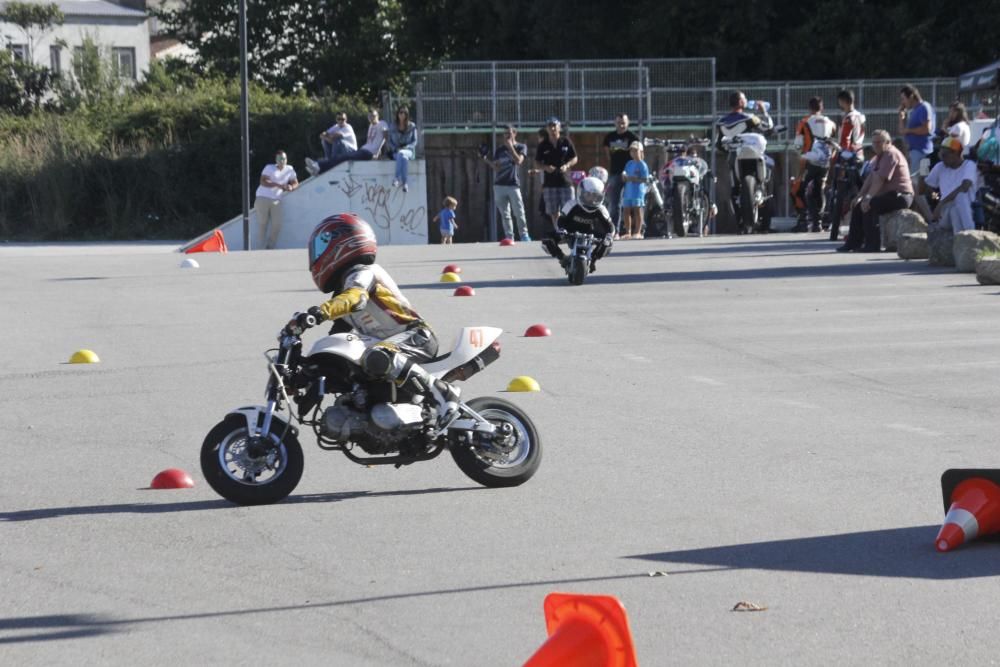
x,y
364,188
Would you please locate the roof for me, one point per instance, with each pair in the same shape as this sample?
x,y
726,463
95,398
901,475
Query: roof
x,y
92,8
984,78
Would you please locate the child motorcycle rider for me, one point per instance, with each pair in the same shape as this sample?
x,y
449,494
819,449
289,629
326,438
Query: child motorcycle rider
x,y
367,300
585,214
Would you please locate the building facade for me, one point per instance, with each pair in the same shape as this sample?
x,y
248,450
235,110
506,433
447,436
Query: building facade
x,y
121,31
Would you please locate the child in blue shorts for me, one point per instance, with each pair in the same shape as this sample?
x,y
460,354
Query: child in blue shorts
x,y
634,193
447,219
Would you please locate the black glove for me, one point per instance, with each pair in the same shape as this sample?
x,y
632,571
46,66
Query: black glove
x,y
299,323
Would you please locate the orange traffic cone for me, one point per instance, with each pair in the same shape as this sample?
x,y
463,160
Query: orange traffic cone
x,y
974,509
585,631
214,243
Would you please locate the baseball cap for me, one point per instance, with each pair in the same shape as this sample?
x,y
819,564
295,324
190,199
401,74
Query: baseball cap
x,y
552,120
952,143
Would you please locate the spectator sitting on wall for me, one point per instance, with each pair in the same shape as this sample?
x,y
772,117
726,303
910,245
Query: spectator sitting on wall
x,y
377,130
956,178
339,138
401,145
887,188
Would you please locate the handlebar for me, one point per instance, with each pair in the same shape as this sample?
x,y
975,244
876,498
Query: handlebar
x,y
301,322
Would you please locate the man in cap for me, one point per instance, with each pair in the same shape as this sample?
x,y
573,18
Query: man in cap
x,y
955,177
554,157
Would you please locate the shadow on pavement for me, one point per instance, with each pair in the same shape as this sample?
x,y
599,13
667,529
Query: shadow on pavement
x,y
868,268
894,552
73,626
193,506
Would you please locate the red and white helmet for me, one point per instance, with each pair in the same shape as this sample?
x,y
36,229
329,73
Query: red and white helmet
x,y
339,242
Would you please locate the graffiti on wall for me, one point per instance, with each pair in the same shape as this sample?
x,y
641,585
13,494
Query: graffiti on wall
x,y
385,207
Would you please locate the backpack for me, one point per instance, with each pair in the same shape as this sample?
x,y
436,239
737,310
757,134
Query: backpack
x,y
988,148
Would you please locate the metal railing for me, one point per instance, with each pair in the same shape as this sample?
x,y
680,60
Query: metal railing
x,y
657,94
582,93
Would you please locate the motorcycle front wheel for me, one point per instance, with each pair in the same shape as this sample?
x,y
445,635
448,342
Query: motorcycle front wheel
x,y
748,208
243,476
512,458
578,271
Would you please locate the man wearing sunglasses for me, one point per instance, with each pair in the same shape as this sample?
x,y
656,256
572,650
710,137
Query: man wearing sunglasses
x,y
275,180
339,138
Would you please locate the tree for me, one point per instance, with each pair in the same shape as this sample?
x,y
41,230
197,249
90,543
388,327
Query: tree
x,y
34,20
348,46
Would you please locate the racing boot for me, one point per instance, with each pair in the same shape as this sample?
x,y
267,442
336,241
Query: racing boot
x,y
445,394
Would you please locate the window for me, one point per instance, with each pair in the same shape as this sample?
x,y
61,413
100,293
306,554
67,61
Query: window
x,y
55,59
123,59
20,51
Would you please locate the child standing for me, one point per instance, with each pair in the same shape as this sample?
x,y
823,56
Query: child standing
x,y
447,219
634,193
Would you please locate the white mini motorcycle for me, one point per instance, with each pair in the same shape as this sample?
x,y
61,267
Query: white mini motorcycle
x,y
253,456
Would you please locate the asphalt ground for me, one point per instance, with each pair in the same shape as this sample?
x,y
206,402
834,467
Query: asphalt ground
x,y
759,418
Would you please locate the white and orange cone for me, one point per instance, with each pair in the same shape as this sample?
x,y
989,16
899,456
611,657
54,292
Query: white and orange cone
x,y
974,512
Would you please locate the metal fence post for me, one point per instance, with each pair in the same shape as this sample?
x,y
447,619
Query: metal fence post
x,y
715,171
787,166
649,95
419,91
565,113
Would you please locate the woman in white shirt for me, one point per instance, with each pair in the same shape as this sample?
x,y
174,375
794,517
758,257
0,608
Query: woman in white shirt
x,y
957,125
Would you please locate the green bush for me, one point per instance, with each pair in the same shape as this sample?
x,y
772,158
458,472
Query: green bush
x,y
161,161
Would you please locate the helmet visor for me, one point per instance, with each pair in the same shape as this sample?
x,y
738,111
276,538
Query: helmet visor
x,y
591,198
319,245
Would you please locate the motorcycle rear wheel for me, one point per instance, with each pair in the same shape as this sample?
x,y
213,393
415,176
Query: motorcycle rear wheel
x,y
233,473
680,208
525,453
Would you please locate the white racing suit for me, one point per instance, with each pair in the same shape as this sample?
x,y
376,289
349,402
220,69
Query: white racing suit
x,y
372,304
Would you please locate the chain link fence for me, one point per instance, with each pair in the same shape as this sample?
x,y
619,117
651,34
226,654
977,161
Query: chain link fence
x,y
665,95
582,93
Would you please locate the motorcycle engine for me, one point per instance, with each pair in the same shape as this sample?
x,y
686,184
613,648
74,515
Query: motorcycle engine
x,y
378,431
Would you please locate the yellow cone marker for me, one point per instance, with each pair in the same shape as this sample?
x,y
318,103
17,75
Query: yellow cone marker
x,y
450,277
84,357
523,383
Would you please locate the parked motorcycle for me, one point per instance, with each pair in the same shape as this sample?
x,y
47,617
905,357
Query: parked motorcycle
x,y
253,455
844,187
988,197
659,216
691,206
750,173
656,217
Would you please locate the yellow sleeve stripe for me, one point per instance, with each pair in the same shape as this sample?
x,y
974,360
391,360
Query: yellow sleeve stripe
x,y
344,303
